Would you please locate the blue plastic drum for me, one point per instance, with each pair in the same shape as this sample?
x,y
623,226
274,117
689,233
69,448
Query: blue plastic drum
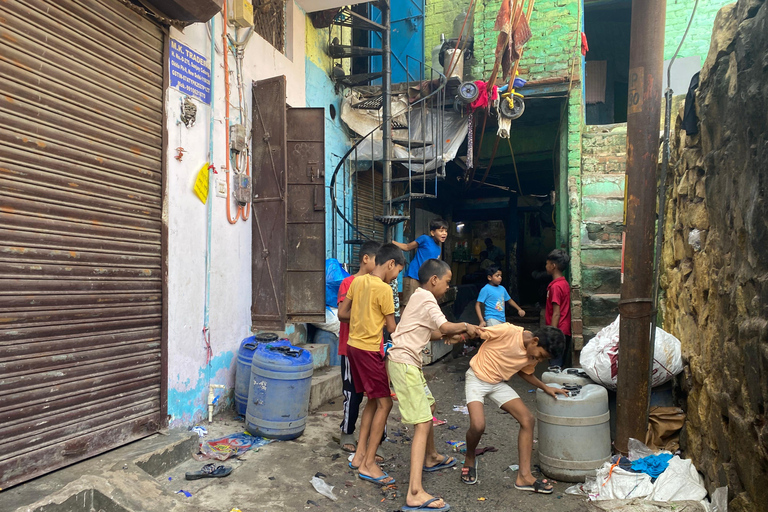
x,y
243,373
278,396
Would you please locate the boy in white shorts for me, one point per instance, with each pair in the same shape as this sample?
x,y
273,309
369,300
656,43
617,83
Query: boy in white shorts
x,y
508,350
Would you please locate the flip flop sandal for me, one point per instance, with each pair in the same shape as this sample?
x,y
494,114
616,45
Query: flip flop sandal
x,y
425,506
539,486
209,471
471,473
447,462
379,480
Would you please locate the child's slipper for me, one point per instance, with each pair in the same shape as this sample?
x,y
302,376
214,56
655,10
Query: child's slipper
x,y
425,506
436,422
347,440
447,462
471,473
539,486
379,480
209,471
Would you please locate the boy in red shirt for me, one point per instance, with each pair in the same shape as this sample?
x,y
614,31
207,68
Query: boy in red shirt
x,y
558,312
352,399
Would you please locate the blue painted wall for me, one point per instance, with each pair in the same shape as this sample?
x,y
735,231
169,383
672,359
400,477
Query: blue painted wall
x,y
407,38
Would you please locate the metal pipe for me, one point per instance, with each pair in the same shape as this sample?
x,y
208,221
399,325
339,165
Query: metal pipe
x,y
386,107
646,61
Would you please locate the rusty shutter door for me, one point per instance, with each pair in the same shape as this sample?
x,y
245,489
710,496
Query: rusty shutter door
x,y
305,253
269,205
81,310
368,202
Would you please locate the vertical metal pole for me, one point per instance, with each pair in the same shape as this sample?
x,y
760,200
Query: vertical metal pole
x,y
636,306
386,96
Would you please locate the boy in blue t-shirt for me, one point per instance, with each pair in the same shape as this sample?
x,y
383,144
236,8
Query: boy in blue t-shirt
x,y
427,248
493,296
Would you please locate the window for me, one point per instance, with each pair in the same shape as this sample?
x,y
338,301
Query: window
x,y
269,21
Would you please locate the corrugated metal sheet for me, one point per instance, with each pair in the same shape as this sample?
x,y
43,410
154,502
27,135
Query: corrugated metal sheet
x,y
81,259
368,202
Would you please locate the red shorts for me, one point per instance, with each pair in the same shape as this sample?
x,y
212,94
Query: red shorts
x,y
369,373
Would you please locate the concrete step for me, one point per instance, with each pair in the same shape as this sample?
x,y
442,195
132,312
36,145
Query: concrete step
x,y
597,305
602,185
605,255
320,354
326,385
600,280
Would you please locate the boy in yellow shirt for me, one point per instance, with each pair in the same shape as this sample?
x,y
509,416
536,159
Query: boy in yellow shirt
x,y
421,322
369,307
508,350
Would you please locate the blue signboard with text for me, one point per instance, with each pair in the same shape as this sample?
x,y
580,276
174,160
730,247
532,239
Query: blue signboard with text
x,y
190,72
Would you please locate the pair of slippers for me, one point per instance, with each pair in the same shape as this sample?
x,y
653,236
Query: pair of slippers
x,y
540,486
209,471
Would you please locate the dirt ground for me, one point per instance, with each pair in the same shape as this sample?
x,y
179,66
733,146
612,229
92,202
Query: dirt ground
x,y
277,476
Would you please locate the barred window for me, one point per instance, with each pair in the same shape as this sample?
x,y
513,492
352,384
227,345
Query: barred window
x,y
269,21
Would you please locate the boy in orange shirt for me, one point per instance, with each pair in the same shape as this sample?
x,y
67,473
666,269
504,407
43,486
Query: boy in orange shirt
x,y
369,307
508,350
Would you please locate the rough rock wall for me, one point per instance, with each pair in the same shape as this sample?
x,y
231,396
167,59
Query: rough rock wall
x,y
716,263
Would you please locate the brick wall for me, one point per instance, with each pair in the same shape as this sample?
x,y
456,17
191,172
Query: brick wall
x,y
439,16
697,40
556,40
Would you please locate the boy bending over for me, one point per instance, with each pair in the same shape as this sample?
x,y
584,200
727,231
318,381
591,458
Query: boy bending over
x,y
368,307
421,322
506,351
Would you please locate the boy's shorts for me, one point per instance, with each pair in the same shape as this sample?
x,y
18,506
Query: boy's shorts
x,y
476,390
369,374
409,286
413,394
490,322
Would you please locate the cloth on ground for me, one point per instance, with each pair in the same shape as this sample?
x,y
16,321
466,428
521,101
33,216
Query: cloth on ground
x,y
232,445
653,465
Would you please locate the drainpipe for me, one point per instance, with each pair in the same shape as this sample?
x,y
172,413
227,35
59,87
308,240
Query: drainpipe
x,y
386,111
209,206
646,61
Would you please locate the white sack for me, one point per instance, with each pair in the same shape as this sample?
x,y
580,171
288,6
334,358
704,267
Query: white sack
x,y
600,357
620,484
680,481
332,323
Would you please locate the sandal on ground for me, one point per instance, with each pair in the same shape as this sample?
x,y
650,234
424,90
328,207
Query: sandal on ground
x,y
209,471
469,474
447,462
425,506
379,480
539,486
347,439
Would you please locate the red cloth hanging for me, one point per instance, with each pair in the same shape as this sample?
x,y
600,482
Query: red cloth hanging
x,y
584,45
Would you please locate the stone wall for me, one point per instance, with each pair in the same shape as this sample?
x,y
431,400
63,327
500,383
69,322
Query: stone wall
x,y
715,263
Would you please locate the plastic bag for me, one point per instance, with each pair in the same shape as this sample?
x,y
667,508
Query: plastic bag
x,y
720,500
600,357
334,275
680,481
638,450
331,323
614,483
588,488
323,488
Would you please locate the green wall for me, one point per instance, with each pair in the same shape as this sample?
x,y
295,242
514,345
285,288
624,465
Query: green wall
x,y
697,40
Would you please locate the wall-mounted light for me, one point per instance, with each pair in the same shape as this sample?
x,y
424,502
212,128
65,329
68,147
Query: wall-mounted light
x,y
459,226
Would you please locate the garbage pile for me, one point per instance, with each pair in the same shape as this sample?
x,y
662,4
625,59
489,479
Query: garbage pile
x,y
650,476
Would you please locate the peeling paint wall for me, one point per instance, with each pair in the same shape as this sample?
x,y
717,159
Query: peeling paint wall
x,y
185,215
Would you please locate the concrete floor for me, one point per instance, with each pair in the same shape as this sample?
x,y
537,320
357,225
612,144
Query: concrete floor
x,y
144,476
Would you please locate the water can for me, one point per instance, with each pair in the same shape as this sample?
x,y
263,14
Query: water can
x,y
574,431
556,375
243,373
278,396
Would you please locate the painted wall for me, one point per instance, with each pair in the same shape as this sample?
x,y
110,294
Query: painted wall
x,y
700,33
320,92
185,215
439,19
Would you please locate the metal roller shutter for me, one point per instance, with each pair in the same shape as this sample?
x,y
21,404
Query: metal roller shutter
x,y
81,260
368,202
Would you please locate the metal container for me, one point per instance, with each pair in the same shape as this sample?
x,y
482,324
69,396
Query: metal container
x,y
574,432
556,375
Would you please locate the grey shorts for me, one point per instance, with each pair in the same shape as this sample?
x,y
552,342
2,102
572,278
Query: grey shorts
x,y
476,390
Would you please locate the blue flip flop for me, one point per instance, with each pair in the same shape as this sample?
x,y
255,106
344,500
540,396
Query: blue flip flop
x,y
440,466
425,506
377,480
353,468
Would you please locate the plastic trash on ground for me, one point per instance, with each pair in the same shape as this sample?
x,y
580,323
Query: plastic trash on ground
x,y
720,500
600,357
680,481
638,449
323,488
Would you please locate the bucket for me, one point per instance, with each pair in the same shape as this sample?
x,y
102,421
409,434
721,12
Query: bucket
x,y
243,373
278,396
574,432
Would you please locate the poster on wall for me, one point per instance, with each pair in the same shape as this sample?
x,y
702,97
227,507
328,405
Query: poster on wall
x,y
190,73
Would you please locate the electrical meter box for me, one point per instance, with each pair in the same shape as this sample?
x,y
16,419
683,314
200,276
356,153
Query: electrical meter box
x,y
242,188
237,137
242,13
